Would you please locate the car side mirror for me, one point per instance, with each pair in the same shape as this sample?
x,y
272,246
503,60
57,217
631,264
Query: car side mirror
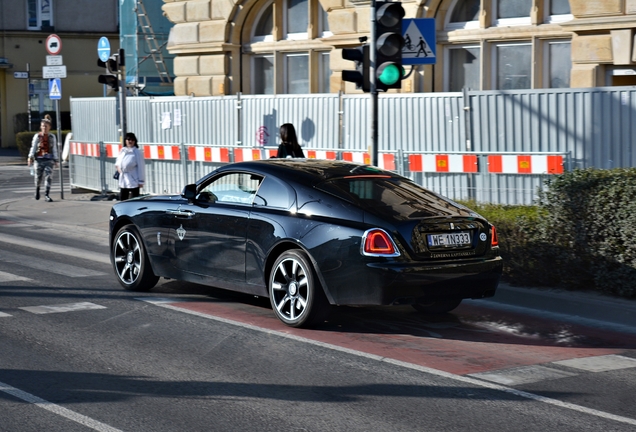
x,y
189,192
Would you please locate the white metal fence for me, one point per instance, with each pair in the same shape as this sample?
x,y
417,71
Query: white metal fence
x,y
506,136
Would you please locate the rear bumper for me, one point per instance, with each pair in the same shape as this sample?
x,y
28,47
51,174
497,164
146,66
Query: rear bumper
x,y
405,283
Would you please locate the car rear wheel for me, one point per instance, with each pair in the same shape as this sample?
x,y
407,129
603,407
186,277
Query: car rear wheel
x,y
131,261
295,292
437,307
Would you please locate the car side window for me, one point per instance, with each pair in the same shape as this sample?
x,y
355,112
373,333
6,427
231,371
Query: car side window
x,y
234,188
274,193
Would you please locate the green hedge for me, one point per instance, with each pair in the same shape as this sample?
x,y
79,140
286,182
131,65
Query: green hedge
x,y
581,235
23,141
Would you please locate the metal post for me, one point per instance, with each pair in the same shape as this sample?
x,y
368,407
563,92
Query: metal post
x,y
122,95
374,90
468,130
59,153
28,67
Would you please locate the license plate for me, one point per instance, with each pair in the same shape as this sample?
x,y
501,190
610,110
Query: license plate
x,y
454,239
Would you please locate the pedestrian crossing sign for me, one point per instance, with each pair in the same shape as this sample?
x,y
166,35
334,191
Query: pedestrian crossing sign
x,y
419,41
55,89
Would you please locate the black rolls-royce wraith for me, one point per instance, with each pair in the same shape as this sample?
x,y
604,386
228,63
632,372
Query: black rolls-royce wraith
x,y
309,234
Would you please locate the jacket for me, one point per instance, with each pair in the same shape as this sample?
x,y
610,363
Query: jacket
x,y
133,168
35,144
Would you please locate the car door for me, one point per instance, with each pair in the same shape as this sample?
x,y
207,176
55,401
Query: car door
x,y
211,236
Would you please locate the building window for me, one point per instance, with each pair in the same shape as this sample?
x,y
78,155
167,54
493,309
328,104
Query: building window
x,y
40,101
512,12
297,78
263,75
265,25
464,68
558,11
513,66
40,14
465,14
285,48
558,64
325,73
297,18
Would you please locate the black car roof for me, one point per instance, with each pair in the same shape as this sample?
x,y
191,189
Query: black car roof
x,y
308,171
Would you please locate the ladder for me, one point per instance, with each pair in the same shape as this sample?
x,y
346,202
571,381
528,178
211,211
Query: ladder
x,y
153,45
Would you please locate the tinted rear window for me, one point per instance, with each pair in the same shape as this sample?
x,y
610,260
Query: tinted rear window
x,y
395,195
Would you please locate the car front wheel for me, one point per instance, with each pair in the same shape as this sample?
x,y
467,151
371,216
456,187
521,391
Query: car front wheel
x,y
437,307
131,261
295,292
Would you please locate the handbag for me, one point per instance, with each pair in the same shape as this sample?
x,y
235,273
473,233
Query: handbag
x,y
116,175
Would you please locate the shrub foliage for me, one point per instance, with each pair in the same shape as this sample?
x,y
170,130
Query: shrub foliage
x,y
581,234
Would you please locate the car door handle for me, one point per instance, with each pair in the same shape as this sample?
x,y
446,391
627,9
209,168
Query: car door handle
x,y
181,213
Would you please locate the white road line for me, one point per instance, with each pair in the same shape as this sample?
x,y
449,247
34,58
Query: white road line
x,y
56,409
4,315
522,375
599,363
48,266
63,250
69,307
428,370
8,277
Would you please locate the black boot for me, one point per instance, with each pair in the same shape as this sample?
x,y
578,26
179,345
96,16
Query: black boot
x,y
37,193
47,198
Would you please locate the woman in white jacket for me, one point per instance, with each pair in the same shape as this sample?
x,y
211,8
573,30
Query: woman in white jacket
x,y
131,167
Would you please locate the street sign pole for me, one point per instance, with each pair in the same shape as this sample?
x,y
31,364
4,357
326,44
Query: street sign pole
x,y
29,94
59,154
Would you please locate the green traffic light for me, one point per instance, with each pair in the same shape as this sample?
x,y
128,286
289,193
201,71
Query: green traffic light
x,y
389,74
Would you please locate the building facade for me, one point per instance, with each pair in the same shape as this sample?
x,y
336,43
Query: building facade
x,y
294,46
24,28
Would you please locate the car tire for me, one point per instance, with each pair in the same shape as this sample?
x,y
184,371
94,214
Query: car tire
x,y
130,261
295,292
437,307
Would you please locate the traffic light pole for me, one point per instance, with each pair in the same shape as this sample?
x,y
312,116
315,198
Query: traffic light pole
x,y
122,96
374,88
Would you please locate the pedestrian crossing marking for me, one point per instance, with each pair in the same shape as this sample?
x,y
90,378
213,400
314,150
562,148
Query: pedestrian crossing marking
x,y
522,375
3,315
8,277
69,307
51,267
600,363
415,44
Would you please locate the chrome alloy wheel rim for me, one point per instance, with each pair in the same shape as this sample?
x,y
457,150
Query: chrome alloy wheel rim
x,y
127,256
290,289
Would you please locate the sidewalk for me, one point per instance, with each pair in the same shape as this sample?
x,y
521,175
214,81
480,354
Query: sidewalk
x,y
77,212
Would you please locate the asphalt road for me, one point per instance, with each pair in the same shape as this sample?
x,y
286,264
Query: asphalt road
x,y
79,353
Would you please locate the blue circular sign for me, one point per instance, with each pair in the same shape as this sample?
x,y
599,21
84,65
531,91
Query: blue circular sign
x,y
103,48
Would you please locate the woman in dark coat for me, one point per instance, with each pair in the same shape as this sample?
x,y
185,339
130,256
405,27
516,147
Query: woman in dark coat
x,y
289,147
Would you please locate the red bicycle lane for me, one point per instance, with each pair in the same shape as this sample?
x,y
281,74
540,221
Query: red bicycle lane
x,y
471,339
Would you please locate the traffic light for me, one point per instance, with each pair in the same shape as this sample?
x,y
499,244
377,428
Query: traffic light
x,y
389,42
360,76
111,78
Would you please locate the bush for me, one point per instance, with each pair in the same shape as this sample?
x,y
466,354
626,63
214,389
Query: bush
x,y
23,141
580,235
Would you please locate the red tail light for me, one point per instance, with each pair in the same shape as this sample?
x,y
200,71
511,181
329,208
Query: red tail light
x,y
493,235
377,242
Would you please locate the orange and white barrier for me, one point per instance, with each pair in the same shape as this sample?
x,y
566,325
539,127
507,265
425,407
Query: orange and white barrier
x,y
162,152
84,149
443,163
525,164
322,154
209,154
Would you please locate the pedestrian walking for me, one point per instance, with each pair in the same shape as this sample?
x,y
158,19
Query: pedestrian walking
x,y
43,154
289,147
131,168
